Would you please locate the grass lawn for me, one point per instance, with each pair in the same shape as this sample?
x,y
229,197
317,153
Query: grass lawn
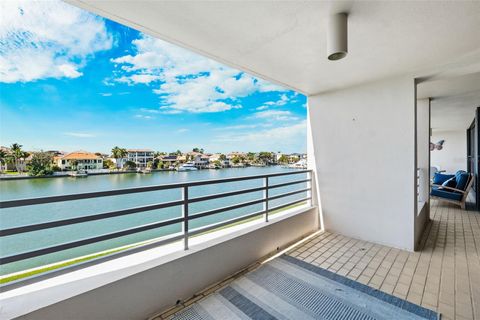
x,y
12,173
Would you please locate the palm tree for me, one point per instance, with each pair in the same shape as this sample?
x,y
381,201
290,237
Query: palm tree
x,y
18,154
118,153
9,159
3,155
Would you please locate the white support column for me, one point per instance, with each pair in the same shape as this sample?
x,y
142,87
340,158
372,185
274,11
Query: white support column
x,y
363,141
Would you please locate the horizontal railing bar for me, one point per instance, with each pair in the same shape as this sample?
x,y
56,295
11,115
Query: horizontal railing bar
x,y
245,217
227,208
288,194
224,223
65,222
80,196
214,181
97,194
289,204
80,265
225,194
288,183
78,243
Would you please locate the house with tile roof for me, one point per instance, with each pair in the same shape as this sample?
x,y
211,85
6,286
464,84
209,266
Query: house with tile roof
x,y
79,160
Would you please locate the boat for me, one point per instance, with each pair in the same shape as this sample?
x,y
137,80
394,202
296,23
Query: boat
x,y
79,174
302,164
189,166
145,171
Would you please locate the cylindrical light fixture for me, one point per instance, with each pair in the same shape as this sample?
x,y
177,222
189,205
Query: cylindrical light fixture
x,y
337,37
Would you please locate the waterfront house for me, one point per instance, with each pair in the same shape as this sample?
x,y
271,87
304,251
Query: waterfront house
x,y
224,162
200,160
79,160
169,160
237,159
20,165
140,157
277,156
365,233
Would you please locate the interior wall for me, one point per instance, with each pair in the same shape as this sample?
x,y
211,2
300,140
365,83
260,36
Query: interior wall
x,y
364,145
453,156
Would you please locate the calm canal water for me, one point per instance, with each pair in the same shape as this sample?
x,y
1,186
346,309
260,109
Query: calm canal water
x,y
58,186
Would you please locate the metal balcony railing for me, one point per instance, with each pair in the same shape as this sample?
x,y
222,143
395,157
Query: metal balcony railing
x,y
184,219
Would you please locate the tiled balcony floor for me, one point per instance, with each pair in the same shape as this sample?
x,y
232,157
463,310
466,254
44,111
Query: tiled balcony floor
x,y
443,275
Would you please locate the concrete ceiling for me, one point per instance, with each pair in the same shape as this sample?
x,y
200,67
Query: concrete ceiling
x,y
285,41
454,101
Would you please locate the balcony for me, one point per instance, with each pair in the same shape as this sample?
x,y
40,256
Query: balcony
x,y
362,217
263,213
444,275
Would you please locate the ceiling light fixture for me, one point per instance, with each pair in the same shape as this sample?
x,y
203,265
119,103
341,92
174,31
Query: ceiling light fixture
x,y
337,37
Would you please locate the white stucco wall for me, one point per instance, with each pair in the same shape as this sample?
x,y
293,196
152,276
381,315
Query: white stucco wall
x,y
423,147
453,156
363,142
423,165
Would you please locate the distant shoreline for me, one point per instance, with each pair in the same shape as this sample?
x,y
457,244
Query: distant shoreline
x,y
66,175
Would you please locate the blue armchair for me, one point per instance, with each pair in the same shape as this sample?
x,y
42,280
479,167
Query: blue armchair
x,y
452,188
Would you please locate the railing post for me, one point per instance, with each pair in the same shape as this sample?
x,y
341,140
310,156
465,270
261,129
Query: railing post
x,y
185,217
265,196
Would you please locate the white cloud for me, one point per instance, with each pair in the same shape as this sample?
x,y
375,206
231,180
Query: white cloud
x,y
105,94
144,117
146,110
69,71
171,111
187,82
47,39
182,130
237,127
80,134
276,115
291,137
283,100
139,78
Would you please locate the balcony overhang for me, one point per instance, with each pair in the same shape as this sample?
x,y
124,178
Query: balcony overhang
x,y
285,42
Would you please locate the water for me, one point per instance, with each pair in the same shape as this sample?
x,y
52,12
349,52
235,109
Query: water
x,y
19,189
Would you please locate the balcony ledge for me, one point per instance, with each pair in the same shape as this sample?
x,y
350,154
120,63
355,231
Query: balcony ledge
x,y
35,296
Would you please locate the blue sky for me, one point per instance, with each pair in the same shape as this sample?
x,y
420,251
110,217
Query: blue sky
x,y
71,80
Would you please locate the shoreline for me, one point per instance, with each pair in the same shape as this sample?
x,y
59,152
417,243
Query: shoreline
x,y
66,175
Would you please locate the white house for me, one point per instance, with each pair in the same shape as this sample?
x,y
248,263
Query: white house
x,y
277,156
140,156
217,157
79,160
199,159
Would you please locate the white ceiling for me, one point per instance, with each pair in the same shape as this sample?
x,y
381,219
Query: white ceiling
x,y
285,41
454,100
454,113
